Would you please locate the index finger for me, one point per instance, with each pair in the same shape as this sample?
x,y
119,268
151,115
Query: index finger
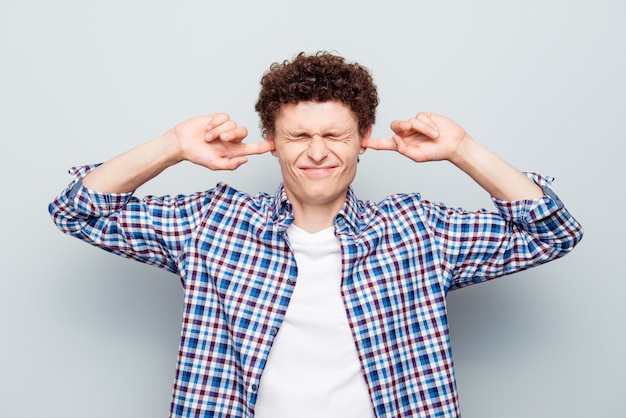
x,y
256,148
386,144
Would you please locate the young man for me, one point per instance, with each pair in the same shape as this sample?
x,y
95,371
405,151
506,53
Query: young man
x,y
310,302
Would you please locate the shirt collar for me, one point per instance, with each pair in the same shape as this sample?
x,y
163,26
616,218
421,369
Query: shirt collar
x,y
282,213
347,219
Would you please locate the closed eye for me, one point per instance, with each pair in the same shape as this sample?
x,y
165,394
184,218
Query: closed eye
x,y
337,137
298,138
302,136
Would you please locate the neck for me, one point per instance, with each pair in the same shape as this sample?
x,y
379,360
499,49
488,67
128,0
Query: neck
x,y
313,218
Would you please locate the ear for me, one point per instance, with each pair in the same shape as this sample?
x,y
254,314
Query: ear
x,y
367,135
270,138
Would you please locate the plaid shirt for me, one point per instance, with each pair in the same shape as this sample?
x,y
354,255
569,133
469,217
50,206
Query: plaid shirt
x,y
399,259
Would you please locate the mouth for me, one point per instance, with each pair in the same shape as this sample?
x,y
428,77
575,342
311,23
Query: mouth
x,y
318,171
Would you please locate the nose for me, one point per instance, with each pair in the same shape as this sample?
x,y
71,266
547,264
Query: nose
x,y
318,150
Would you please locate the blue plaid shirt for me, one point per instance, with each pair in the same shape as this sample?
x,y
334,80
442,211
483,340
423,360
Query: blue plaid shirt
x,y
399,259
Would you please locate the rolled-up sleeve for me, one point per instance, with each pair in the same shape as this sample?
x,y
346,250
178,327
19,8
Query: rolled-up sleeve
x,y
152,230
481,245
545,218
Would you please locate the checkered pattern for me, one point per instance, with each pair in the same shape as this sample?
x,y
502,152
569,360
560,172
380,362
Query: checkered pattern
x,y
400,258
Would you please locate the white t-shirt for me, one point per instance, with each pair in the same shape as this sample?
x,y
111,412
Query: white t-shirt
x,y
313,369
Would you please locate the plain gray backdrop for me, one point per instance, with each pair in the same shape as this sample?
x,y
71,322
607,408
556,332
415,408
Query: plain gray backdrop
x,y
87,334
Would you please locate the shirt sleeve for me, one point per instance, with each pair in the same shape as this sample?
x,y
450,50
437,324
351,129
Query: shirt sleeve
x,y
482,245
152,230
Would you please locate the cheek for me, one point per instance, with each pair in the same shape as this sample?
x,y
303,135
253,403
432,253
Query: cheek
x,y
351,154
285,160
288,154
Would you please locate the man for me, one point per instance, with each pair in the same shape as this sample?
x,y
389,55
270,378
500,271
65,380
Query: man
x,y
310,302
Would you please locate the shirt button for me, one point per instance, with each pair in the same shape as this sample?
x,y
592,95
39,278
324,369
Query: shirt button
x,y
274,331
254,387
290,282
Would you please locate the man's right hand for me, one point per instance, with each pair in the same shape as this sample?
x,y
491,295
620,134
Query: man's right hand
x,y
216,142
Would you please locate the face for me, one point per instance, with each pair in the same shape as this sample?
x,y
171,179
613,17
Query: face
x,y
317,145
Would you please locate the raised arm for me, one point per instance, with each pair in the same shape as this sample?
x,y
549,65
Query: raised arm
x,y
213,141
432,137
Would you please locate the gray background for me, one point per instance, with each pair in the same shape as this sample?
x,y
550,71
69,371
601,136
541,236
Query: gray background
x,y
87,334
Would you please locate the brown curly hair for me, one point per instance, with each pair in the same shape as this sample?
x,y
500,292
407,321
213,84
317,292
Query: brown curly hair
x,y
320,77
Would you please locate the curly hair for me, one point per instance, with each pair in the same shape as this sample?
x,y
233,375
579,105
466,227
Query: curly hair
x,y
320,77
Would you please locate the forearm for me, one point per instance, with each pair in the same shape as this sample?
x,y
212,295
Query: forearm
x,y
128,171
492,173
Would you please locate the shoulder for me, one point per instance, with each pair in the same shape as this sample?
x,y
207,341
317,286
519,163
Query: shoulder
x,y
227,196
393,209
393,204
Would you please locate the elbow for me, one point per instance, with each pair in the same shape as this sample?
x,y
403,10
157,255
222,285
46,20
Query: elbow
x,y
64,220
55,214
569,240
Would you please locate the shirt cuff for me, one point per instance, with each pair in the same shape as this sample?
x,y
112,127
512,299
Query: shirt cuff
x,y
532,210
91,202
